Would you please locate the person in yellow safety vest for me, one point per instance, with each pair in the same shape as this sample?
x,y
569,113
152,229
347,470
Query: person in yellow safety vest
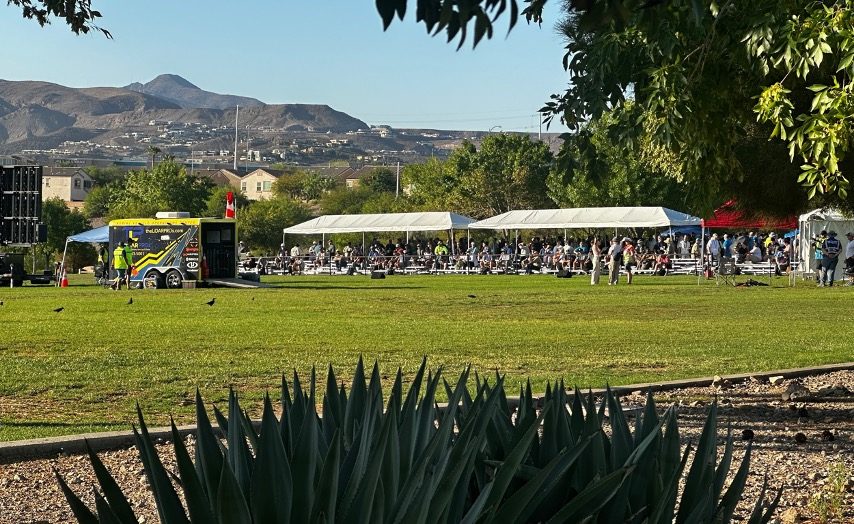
x,y
120,264
128,251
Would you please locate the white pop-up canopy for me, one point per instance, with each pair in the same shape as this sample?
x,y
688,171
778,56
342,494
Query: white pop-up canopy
x,y
588,218
377,223
811,224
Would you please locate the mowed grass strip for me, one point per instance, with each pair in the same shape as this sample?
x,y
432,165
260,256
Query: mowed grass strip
x,y
84,369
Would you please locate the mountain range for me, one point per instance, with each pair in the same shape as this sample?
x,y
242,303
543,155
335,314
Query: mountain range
x,y
39,115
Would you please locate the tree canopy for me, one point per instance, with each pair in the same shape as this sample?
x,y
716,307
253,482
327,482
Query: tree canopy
x,y
691,78
78,14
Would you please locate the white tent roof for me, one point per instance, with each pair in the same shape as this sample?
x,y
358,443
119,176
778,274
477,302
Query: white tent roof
x,y
588,217
426,221
827,215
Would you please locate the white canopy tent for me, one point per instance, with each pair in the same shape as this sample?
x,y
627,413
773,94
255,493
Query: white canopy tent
x,y
811,224
384,222
378,223
588,218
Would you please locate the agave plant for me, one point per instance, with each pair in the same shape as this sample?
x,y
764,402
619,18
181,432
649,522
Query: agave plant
x,y
408,460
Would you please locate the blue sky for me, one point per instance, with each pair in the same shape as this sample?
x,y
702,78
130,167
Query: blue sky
x,y
300,51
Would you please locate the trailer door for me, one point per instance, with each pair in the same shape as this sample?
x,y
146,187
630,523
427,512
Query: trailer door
x,y
219,249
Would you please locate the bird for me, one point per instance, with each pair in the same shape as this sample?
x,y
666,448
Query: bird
x,y
253,298
130,301
828,436
211,302
1,302
747,434
472,296
58,310
800,438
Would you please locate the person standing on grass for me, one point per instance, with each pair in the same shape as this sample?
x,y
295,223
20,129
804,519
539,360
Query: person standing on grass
x,y
830,256
596,252
121,266
629,259
818,242
614,260
713,249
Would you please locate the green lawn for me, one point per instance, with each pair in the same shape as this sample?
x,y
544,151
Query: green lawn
x,y
85,368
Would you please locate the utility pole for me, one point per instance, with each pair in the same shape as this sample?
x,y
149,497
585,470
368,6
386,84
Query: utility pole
x,y
236,115
540,134
397,181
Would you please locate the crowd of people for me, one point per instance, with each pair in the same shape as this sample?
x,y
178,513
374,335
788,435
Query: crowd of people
x,y
575,255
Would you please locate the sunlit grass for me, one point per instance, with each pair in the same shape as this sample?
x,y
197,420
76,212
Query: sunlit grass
x,y
85,368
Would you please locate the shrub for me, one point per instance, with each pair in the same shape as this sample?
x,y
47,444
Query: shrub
x,y
407,460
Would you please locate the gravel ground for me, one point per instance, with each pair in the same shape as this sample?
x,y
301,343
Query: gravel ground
x,y
822,412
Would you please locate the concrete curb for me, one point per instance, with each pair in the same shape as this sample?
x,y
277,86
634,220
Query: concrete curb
x,y
23,450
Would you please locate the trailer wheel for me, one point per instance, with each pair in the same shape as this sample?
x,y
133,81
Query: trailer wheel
x,y
152,280
174,280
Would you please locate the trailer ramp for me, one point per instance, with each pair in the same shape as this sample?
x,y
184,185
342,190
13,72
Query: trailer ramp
x,y
235,282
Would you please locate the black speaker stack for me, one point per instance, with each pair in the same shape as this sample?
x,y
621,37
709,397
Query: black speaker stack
x,y
21,205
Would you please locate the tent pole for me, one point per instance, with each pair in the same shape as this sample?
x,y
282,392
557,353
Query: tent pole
x,y
453,241
62,264
468,248
702,251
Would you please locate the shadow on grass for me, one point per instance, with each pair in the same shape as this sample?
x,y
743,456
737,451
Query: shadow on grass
x,y
47,424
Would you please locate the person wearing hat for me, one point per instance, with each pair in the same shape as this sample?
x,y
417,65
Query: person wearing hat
x,y
830,257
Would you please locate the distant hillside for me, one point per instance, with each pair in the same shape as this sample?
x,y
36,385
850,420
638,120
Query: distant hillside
x,y
43,115
189,96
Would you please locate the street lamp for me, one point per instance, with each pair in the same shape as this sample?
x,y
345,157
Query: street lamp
x,y
494,127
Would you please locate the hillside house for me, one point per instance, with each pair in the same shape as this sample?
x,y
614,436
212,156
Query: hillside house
x,y
258,184
220,177
71,184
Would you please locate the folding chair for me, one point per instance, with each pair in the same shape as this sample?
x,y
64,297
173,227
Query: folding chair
x,y
726,271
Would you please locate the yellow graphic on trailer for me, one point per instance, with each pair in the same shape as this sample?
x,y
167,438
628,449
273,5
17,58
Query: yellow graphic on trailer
x,y
172,250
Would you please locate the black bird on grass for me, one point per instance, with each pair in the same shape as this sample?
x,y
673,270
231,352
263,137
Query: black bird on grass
x,y
211,302
1,302
58,310
747,434
130,301
472,296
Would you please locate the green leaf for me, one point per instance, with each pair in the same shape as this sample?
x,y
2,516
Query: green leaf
x,y
78,509
114,496
271,489
590,500
209,459
325,504
726,509
106,515
526,500
239,457
198,503
231,507
168,504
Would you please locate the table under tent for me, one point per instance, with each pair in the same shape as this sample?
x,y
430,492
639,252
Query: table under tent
x,y
811,224
609,218
382,223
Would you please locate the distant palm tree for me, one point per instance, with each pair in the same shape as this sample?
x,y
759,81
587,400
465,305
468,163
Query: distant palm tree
x,y
153,151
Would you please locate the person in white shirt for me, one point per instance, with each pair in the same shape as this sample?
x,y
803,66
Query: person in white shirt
x,y
713,248
684,247
755,254
615,259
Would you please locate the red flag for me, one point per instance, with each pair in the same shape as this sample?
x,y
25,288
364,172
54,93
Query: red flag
x,y
229,205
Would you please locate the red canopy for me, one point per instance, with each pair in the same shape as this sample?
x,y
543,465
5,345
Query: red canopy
x,y
728,217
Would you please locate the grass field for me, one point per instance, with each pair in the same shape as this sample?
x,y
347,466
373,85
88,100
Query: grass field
x,y
85,368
